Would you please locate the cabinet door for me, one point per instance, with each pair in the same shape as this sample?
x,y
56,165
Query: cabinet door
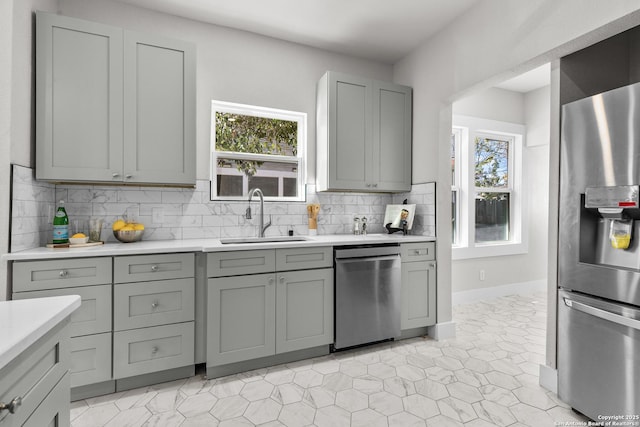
x,y
55,409
78,100
418,294
159,110
304,309
391,148
349,123
241,318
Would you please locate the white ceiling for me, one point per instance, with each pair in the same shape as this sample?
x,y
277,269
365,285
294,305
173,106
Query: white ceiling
x,y
531,80
382,30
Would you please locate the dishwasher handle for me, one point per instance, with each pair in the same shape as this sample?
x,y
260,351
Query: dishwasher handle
x,y
602,314
368,259
367,252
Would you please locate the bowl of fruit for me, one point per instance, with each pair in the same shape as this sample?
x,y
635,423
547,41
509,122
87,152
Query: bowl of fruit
x,y
78,239
127,232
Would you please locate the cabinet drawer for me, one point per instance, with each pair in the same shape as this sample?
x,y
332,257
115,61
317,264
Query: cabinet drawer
x,y
143,268
220,264
90,359
34,374
141,351
139,305
60,273
94,314
303,258
418,251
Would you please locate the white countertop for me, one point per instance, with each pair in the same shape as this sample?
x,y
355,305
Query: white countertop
x,y
25,321
206,245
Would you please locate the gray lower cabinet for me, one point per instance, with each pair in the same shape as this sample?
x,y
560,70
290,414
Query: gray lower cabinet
x,y
251,316
304,309
151,299
90,359
418,285
90,327
154,328
242,322
121,101
39,376
148,350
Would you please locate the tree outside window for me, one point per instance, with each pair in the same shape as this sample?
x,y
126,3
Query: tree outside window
x,y
257,147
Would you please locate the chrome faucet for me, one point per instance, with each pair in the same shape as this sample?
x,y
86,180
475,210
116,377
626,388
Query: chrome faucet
x,y
248,212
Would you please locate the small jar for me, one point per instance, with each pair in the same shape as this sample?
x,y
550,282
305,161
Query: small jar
x,y
356,225
364,225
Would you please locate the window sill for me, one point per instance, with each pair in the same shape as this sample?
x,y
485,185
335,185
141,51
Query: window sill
x,y
488,250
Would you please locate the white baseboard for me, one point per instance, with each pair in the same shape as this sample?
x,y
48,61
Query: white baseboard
x,y
442,331
549,378
475,295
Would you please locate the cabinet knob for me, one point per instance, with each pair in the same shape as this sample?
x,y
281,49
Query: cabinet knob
x,y
281,279
154,350
12,406
154,268
416,252
368,185
63,274
271,281
432,265
375,185
115,174
154,305
128,176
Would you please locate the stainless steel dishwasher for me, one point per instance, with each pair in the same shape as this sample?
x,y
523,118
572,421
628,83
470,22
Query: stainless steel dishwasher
x,y
367,294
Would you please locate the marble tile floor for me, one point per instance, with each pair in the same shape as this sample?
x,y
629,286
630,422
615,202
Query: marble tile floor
x,y
486,376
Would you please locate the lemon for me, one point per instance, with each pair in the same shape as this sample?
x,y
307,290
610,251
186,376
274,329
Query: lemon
x,y
78,236
118,225
138,227
127,227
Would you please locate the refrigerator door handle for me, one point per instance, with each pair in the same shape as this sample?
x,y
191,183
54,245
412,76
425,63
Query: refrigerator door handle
x,y
602,314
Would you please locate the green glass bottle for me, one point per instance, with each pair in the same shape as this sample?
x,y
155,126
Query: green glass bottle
x,y
61,225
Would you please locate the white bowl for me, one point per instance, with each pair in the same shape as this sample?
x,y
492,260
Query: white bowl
x,y
78,240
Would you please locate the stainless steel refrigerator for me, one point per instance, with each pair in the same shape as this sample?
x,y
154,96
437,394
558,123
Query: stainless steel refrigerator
x,y
599,256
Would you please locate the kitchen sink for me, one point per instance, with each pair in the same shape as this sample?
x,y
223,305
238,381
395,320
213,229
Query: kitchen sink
x,y
237,240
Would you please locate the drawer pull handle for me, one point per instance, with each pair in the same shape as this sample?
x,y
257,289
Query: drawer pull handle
x,y
63,273
155,305
154,350
12,406
154,268
416,252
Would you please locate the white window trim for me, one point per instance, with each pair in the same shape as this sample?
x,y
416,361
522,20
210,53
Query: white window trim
x,y
271,113
465,247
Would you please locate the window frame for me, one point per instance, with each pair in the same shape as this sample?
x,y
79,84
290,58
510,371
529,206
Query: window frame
x,y
465,246
270,113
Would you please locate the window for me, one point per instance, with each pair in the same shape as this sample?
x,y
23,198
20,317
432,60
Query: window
x,y
486,192
257,147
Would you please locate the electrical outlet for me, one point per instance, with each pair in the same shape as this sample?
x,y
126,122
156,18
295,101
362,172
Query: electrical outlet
x,y
481,275
157,215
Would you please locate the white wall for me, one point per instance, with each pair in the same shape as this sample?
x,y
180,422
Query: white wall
x,y
460,58
531,110
16,91
6,37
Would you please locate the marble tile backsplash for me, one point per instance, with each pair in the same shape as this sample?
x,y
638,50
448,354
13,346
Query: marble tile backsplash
x,y
181,213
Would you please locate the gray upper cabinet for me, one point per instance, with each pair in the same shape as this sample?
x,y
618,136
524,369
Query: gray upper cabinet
x,y
113,105
79,88
363,135
159,110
